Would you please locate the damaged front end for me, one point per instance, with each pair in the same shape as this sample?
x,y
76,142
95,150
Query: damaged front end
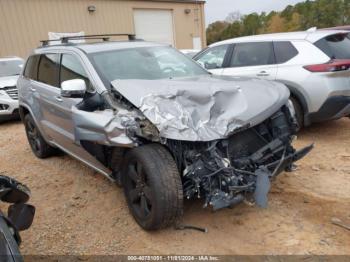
x,y
225,172
228,142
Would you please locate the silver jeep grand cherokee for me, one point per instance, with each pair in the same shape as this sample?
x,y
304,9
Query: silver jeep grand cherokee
x,y
156,123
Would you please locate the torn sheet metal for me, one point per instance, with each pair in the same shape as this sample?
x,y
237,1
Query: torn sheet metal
x,y
103,127
203,108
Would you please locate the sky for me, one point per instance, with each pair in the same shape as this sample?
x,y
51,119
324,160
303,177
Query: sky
x,y
219,9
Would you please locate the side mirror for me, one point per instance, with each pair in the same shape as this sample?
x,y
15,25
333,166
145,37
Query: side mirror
x,y
73,88
209,66
21,215
12,191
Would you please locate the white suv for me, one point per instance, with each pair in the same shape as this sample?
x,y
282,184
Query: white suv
x,y
10,68
314,65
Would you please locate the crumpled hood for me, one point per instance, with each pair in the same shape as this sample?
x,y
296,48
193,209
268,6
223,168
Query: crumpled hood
x,y
203,108
8,81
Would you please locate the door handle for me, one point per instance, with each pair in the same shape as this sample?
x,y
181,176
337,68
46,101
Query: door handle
x,y
58,98
263,73
32,89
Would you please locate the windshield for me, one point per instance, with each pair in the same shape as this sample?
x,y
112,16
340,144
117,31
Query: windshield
x,y
10,67
144,63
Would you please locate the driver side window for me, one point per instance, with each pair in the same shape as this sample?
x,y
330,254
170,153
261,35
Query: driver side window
x,y
214,57
71,68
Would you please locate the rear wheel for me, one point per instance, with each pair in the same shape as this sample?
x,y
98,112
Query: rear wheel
x,y
40,148
152,187
299,113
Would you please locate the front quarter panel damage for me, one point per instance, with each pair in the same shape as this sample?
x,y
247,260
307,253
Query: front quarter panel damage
x,y
103,127
203,108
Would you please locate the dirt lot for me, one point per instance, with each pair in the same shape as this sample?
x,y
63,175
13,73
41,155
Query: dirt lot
x,y
81,212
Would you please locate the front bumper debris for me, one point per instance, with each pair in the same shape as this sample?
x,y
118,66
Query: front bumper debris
x,y
226,172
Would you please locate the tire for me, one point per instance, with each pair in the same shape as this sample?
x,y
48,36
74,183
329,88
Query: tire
x,y
299,113
152,187
40,148
116,164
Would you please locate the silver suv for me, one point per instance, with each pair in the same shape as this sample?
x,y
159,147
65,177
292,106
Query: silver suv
x,y
156,123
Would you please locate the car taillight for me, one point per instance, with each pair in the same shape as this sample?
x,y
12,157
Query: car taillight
x,y
332,66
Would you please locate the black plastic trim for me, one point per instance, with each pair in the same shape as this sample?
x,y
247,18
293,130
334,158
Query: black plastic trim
x,y
330,109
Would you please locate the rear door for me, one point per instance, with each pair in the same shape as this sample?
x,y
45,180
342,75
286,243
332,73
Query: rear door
x,y
47,88
27,93
254,59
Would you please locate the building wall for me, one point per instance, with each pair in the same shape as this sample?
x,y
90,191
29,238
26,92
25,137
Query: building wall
x,y
23,23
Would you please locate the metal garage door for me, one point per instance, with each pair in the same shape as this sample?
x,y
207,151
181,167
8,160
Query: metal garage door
x,y
154,25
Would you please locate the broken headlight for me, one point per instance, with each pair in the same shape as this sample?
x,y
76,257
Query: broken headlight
x,y
225,172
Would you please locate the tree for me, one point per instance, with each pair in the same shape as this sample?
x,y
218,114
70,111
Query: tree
x,y
251,24
304,15
215,30
294,23
276,24
232,31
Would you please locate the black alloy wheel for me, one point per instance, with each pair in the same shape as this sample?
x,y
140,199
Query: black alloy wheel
x,y
152,187
39,146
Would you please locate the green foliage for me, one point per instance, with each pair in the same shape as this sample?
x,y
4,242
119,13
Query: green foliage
x,y
317,13
215,31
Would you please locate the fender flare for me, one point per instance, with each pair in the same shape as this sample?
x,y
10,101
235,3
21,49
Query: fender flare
x,y
21,108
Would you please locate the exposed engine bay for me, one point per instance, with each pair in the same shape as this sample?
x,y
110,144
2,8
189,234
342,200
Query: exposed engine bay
x,y
225,172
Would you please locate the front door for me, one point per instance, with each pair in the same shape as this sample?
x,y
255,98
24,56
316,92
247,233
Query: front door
x,y
56,109
255,59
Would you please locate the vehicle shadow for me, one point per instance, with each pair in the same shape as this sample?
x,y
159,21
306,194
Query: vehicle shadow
x,y
325,129
9,120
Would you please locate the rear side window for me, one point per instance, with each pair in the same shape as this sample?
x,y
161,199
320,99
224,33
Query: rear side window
x,y
284,51
49,69
252,54
71,68
335,46
31,70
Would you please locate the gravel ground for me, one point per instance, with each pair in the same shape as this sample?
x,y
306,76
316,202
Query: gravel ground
x,y
81,212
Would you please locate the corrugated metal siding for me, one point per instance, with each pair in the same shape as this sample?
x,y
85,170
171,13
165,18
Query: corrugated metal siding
x,y
24,22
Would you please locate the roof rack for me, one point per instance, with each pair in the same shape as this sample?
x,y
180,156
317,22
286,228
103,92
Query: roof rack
x,y
104,37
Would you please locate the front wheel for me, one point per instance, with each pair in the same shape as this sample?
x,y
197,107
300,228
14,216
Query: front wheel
x,y
152,187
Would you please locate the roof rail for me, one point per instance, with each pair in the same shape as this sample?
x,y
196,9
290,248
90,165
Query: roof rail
x,y
104,37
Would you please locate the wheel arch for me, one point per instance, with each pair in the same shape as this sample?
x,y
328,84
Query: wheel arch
x,y
23,111
297,94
